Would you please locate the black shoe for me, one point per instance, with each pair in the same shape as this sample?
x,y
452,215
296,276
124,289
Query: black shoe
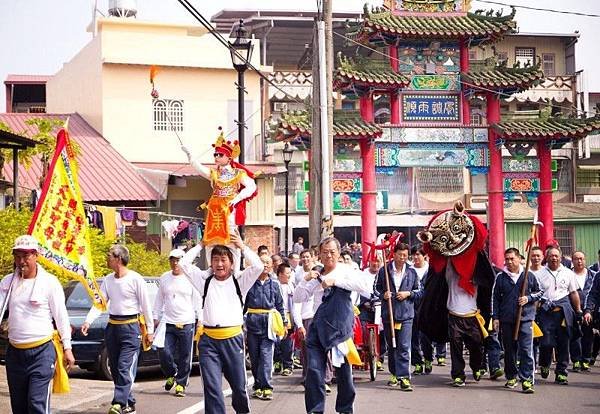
x,y
545,372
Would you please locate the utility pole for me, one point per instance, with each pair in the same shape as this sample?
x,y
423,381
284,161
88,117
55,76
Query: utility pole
x,y
327,224
321,196
315,211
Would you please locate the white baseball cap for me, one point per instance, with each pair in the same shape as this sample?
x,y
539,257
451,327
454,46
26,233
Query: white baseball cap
x,y
26,242
177,253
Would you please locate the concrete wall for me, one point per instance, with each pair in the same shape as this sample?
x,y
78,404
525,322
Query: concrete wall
x,y
545,44
77,87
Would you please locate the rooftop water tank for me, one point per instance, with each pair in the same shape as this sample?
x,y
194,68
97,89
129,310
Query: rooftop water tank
x,y
122,8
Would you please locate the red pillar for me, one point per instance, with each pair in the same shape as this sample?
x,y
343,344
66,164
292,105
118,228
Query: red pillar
x,y
366,107
394,108
368,213
545,208
464,68
393,52
497,237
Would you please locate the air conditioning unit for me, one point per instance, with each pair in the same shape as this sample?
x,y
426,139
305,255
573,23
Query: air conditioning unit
x,y
280,106
476,202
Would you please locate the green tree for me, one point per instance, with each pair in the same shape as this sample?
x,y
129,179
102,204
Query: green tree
x,y
15,223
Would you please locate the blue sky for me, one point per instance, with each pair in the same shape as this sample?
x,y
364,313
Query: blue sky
x,y
40,35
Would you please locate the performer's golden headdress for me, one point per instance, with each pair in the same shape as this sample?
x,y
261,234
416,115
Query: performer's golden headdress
x,y
230,149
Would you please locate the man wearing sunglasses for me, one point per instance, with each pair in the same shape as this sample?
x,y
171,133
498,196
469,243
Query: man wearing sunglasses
x,y
233,186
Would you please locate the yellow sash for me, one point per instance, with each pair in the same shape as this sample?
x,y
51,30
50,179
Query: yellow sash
x,y
278,327
353,357
537,332
356,310
60,380
480,321
146,345
123,322
219,333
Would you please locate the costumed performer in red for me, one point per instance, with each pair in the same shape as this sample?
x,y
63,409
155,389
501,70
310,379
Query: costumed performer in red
x,y
458,288
233,186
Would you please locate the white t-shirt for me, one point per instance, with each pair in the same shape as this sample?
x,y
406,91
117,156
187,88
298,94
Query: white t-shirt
x,y
459,301
558,283
421,271
126,295
177,302
581,278
32,306
345,278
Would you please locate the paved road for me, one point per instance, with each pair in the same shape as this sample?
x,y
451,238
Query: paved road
x,y
432,394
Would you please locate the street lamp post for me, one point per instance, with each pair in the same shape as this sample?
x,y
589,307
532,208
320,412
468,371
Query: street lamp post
x,y
241,52
288,151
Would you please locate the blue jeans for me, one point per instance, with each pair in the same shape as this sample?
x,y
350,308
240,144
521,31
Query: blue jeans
x,y
522,349
29,372
178,342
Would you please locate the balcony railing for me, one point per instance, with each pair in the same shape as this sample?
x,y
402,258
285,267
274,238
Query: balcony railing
x,y
553,88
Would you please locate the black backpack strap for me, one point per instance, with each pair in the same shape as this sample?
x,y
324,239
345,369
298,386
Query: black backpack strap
x,y
237,290
206,289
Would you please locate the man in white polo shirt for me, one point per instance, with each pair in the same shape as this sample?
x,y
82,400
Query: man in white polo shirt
x,y
35,298
556,314
177,306
127,296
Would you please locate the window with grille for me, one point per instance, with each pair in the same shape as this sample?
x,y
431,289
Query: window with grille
x,y
548,65
440,179
524,55
565,236
168,114
398,183
588,178
472,54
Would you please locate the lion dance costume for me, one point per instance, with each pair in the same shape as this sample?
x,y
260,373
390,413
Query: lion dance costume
x,y
454,238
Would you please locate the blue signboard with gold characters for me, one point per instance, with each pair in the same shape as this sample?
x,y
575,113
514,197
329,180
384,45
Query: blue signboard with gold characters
x,y
430,108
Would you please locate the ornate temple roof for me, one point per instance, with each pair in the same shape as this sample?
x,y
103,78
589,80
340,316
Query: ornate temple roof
x,y
501,78
559,129
346,124
358,73
479,27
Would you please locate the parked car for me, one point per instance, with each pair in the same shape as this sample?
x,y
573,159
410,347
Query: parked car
x,y
89,351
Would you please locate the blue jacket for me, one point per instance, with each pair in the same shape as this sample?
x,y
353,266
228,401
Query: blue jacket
x,y
505,296
587,286
333,322
262,296
403,310
592,299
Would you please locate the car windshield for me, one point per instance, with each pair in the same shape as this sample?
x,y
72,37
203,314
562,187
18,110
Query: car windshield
x,y
79,298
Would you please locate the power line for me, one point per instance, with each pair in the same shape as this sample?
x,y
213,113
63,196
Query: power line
x,y
204,22
498,3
